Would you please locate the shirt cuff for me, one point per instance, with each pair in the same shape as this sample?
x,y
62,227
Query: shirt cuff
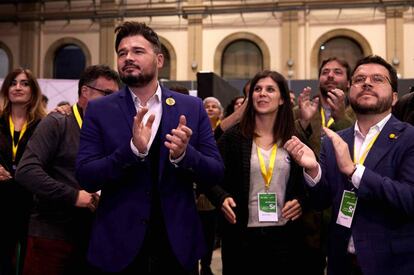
x,y
136,152
309,180
357,176
176,161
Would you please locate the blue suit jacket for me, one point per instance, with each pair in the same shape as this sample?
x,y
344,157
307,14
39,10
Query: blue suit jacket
x,y
106,161
383,223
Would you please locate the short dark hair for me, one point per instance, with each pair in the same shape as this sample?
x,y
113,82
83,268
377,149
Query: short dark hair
x,y
284,126
131,28
375,59
341,61
92,73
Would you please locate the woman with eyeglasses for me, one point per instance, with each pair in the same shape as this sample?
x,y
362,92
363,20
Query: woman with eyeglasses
x,y
262,193
21,111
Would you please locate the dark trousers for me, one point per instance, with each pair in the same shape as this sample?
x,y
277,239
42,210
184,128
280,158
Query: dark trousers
x,y
7,256
155,258
209,222
12,251
54,257
262,250
355,268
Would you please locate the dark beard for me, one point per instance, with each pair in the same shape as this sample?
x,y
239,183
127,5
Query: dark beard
x,y
137,81
142,79
379,108
324,92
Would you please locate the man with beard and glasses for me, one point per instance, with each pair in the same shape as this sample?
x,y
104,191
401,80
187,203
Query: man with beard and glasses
x,y
366,174
144,147
330,108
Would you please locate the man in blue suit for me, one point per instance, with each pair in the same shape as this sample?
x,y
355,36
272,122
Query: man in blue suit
x,y
366,173
144,147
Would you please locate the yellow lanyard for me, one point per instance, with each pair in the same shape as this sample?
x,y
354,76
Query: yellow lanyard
x,y
77,115
217,123
364,155
267,175
23,130
330,121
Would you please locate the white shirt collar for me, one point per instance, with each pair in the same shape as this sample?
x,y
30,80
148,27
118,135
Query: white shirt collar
x,y
156,96
377,127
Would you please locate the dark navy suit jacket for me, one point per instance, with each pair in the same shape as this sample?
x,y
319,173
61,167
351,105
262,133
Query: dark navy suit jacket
x,y
383,223
106,161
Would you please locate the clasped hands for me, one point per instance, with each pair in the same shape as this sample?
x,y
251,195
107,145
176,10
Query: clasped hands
x,y
87,200
177,140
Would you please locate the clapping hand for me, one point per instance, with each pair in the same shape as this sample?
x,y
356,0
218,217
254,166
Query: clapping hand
x,y
178,140
336,100
342,155
141,133
307,107
303,155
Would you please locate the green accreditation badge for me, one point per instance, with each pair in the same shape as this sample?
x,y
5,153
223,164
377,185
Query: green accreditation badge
x,y
267,207
347,209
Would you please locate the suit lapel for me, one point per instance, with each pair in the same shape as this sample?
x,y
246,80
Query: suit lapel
x,y
169,121
127,105
385,142
349,137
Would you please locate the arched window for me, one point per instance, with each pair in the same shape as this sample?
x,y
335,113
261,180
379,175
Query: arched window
x,y
4,63
69,62
342,47
241,59
165,71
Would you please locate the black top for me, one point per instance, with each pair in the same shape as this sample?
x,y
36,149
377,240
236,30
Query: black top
x,y
15,201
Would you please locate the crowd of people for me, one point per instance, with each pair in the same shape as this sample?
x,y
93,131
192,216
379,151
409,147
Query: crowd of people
x,y
143,179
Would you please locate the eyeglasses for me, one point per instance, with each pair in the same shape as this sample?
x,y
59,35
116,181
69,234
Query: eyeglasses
x,y
104,92
376,79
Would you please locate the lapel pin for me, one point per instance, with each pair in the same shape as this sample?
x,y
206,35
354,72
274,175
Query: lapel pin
x,y
392,136
170,101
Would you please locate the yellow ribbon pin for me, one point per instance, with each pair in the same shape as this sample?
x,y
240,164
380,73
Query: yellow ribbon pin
x,y
170,101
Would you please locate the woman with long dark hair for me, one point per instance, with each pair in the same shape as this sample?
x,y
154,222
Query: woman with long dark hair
x,y
262,192
21,111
